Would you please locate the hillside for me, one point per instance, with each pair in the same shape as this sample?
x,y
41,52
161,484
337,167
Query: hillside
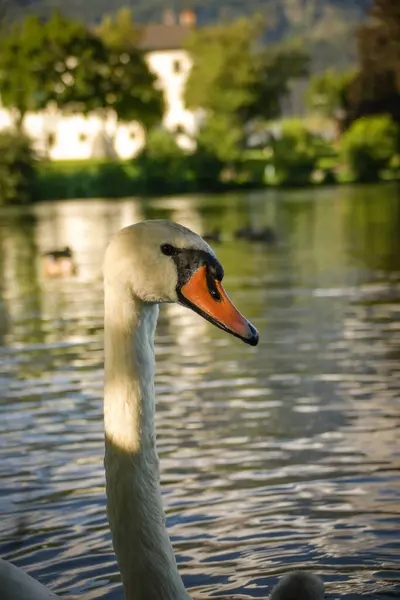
x,y
326,26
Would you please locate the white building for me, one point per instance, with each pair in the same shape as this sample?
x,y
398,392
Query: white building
x,y
63,137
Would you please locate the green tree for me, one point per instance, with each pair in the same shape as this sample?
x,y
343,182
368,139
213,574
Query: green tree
x,y
276,67
163,163
221,137
131,89
327,92
63,63
387,13
79,63
376,87
22,60
296,153
59,61
17,168
234,75
119,31
369,145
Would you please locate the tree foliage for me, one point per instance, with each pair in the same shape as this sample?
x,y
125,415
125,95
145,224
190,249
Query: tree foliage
x,y
62,62
387,13
130,87
17,168
327,92
76,66
163,163
234,75
220,137
119,31
376,88
296,153
369,145
58,61
22,65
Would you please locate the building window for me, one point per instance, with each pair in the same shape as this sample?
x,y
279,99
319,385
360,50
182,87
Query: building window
x,y
82,137
177,67
51,139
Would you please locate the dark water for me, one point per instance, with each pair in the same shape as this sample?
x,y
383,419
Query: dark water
x,y
277,457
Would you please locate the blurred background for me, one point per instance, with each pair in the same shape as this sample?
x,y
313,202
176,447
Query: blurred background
x,y
272,129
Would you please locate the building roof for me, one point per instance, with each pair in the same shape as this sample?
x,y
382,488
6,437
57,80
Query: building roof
x,y
164,37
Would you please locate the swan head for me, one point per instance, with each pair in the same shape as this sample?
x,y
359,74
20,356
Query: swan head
x,y
161,261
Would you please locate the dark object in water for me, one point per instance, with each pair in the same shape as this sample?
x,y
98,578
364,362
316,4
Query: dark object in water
x,y
266,234
59,263
57,254
299,585
213,236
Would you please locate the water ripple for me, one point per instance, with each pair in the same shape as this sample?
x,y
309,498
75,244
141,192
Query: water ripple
x,y
277,457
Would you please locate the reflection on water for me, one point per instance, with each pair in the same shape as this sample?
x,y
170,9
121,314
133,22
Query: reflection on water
x,y
277,457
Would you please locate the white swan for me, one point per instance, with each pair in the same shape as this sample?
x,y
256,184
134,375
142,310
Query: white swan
x,y
146,264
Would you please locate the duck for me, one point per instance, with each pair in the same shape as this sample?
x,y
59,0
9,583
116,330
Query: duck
x,y
267,234
148,264
59,263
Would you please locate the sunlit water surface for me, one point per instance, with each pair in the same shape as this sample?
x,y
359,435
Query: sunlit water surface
x,y
277,457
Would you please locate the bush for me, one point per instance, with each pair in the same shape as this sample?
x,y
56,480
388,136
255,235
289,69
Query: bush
x,y
221,137
86,179
205,168
163,165
17,168
369,145
220,159
296,154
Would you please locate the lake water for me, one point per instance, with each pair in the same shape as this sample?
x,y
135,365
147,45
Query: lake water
x,y
277,457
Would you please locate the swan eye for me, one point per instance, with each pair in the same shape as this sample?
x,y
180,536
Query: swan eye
x,y
168,250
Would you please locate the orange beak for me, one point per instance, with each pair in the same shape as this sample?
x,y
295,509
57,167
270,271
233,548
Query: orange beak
x,y
206,296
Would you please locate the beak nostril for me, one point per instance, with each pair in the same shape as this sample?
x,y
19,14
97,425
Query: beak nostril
x,y
215,294
212,287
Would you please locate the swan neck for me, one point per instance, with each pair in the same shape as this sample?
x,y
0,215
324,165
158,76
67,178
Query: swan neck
x,y
129,399
134,502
